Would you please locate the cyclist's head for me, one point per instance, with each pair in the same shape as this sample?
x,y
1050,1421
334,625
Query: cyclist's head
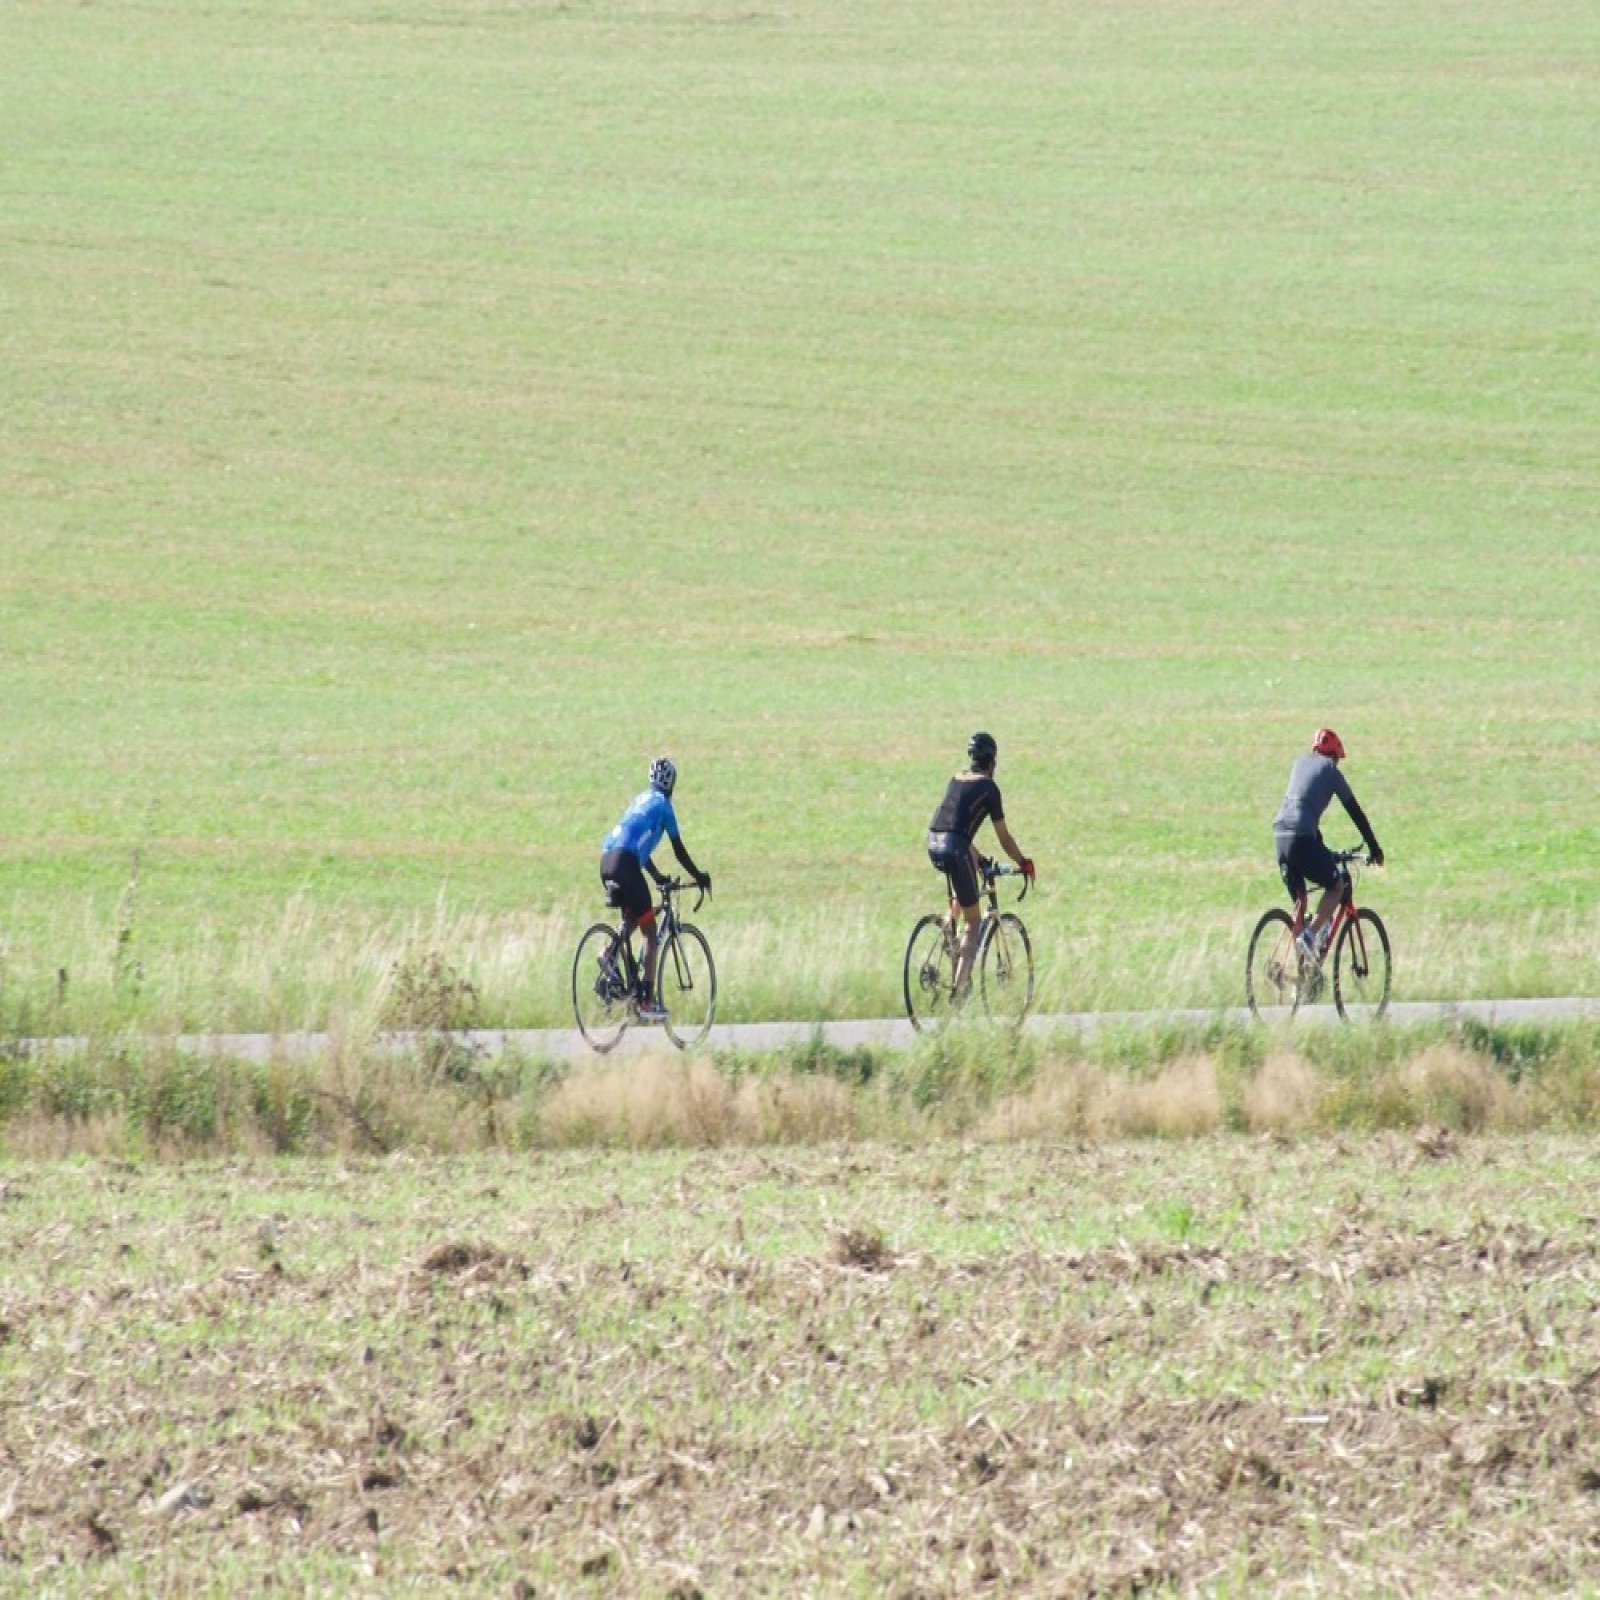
x,y
663,775
1328,743
981,751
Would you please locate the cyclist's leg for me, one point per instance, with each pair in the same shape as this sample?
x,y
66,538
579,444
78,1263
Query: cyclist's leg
x,y
963,875
951,854
628,892
1313,860
1293,879
647,964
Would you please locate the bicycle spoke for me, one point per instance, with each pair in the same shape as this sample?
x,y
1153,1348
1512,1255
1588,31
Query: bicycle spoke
x,y
1005,968
686,985
930,972
600,988
1361,968
1275,977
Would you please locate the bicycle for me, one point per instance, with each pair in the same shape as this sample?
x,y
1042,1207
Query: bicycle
x,y
1004,967
605,976
1279,972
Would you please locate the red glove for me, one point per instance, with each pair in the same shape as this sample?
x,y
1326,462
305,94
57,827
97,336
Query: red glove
x,y
1027,868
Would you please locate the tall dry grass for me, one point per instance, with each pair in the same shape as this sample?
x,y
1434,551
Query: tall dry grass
x,y
310,967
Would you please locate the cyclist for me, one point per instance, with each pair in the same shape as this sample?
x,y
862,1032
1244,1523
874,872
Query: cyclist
x,y
971,799
1314,780
624,860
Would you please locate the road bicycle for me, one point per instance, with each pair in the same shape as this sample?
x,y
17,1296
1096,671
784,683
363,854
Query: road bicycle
x,y
605,978
1003,971
1279,971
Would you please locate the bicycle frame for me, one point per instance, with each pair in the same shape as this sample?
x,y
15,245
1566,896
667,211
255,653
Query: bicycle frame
x,y
1002,958
1344,912
956,920
666,922
991,874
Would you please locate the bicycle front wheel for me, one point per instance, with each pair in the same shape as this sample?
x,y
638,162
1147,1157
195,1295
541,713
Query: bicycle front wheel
x,y
1005,966
599,992
686,986
1272,977
1361,968
930,974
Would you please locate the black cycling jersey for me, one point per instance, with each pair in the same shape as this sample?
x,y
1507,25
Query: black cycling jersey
x,y
972,799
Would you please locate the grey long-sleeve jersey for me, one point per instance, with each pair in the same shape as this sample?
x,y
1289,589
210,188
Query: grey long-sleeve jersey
x,y
1313,782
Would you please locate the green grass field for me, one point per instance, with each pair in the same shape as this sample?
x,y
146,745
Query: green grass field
x,y
418,415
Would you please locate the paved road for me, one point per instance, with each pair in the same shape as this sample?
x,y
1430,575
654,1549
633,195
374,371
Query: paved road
x,y
559,1044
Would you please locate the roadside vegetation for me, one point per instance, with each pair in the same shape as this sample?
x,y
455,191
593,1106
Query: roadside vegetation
x,y
430,1091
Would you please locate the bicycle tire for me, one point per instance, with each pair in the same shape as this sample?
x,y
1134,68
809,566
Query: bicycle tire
x,y
1005,969
1362,969
930,974
600,1004
686,985
1272,966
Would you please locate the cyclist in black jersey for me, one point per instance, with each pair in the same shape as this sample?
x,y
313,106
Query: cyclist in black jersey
x,y
971,799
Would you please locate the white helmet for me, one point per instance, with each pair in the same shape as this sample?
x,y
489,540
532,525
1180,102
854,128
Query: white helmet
x,y
663,775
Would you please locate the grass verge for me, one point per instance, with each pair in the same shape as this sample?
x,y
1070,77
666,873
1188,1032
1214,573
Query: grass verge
x,y
138,1097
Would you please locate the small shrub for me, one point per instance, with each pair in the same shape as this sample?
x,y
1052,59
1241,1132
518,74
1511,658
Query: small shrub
x,y
427,995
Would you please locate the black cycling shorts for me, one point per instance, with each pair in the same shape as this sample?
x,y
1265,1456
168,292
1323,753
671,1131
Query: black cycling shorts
x,y
625,887
951,853
1303,856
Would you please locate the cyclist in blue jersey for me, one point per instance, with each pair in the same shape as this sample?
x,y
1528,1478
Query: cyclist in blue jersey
x,y
624,860
1314,781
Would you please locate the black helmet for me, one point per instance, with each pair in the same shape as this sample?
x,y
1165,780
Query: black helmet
x,y
981,751
663,775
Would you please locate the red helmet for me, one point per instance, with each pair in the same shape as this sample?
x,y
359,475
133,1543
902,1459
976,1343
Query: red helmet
x,y
1328,743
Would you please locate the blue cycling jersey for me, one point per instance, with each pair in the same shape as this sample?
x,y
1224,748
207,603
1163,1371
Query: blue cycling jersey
x,y
646,819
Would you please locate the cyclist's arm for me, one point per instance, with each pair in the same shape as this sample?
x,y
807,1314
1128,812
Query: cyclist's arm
x,y
1008,844
1347,798
687,863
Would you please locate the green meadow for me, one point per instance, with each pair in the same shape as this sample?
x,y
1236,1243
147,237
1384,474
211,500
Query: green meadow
x,y
416,415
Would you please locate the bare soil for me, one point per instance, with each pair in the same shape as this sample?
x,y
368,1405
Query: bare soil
x,y
1232,1366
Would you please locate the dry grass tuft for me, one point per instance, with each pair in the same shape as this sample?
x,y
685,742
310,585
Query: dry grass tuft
x,y
1075,1099
1282,1097
1460,1091
1182,1102
667,1102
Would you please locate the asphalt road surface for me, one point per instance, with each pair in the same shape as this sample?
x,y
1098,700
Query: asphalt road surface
x,y
560,1044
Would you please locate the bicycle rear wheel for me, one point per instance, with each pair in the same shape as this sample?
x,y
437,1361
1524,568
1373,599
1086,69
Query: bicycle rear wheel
x,y
1361,968
599,991
1272,969
930,973
1005,967
686,986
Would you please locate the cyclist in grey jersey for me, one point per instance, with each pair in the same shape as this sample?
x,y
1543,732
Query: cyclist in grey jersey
x,y
1314,782
970,799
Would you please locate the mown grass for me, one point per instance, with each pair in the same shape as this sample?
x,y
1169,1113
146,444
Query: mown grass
x,y
1228,1365
416,417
